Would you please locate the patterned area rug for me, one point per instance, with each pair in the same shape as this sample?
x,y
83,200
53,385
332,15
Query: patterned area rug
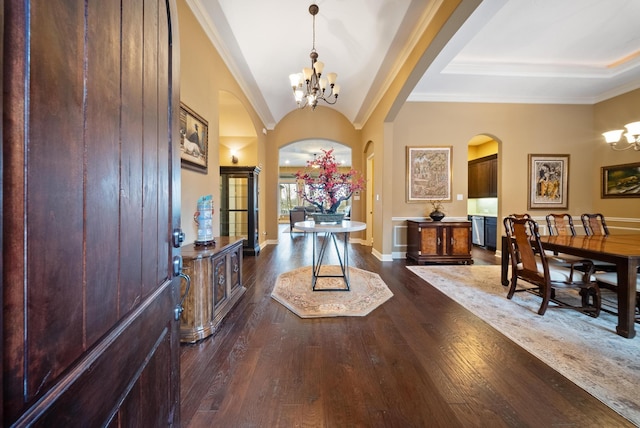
x,y
585,350
367,292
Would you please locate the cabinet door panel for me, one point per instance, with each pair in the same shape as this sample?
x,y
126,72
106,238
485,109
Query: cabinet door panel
x,y
459,241
219,280
429,244
235,267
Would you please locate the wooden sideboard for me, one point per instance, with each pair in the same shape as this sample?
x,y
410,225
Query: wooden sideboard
x,y
216,286
439,241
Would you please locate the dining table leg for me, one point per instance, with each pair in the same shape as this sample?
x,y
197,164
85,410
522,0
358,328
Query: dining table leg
x,y
627,279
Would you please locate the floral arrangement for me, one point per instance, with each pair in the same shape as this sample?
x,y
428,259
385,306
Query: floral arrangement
x,y
436,205
325,186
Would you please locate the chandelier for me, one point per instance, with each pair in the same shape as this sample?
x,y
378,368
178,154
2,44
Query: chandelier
x,y
632,137
309,86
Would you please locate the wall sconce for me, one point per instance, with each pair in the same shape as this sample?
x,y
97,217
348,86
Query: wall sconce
x,y
632,136
234,158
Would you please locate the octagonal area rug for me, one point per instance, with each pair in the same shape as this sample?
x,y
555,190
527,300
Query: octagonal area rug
x,y
293,290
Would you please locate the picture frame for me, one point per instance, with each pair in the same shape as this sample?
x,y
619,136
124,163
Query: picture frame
x,y
620,181
429,173
194,140
548,181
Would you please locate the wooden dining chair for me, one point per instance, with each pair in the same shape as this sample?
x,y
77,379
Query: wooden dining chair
x,y
523,215
610,281
560,225
594,224
524,245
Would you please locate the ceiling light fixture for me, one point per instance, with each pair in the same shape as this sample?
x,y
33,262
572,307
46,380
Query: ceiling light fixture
x,y
632,136
309,86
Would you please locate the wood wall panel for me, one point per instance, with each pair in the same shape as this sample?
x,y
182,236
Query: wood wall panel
x,y
13,207
89,296
164,222
102,171
54,188
132,54
150,148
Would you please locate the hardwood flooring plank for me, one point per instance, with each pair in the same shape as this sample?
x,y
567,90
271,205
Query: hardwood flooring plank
x,y
418,360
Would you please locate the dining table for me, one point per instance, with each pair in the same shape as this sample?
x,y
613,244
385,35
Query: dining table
x,y
621,249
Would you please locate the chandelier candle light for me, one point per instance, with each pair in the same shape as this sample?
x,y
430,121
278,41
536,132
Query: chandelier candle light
x,y
309,86
632,136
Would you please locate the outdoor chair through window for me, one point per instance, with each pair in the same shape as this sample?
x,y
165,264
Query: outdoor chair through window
x,y
296,214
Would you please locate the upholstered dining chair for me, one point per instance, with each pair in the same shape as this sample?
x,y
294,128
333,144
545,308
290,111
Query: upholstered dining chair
x,y
519,216
560,224
523,215
610,280
594,224
529,263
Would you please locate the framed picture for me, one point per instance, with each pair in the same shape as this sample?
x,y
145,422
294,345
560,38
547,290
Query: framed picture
x,y
548,181
194,140
621,181
428,174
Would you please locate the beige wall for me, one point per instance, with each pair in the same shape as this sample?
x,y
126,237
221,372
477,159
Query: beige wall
x,y
394,125
614,114
520,130
324,123
205,85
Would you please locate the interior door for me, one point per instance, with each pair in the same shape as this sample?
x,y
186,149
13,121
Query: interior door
x,y
90,201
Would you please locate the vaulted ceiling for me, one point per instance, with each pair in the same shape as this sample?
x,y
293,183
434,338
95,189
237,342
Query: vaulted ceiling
x,y
525,51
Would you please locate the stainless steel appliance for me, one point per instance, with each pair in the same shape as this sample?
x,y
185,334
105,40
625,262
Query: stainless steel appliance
x,y
477,225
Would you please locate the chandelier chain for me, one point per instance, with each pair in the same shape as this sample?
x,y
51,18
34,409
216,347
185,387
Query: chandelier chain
x,y
311,85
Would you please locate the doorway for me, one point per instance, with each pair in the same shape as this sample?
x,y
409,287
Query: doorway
x,y
293,158
482,196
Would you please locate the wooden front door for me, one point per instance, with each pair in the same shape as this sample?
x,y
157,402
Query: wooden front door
x,y
90,200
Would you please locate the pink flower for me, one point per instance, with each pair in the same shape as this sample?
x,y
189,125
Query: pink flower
x,y
325,186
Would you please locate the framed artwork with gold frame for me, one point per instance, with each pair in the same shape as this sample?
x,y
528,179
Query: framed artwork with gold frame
x,y
429,173
620,181
548,181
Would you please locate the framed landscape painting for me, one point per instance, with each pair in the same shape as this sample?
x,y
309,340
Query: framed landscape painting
x,y
194,136
621,181
548,181
428,174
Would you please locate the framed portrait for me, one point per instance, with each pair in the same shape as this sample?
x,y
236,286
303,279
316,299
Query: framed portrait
x,y
428,174
194,140
548,181
621,181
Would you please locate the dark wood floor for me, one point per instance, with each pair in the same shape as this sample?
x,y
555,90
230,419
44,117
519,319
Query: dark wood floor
x,y
419,360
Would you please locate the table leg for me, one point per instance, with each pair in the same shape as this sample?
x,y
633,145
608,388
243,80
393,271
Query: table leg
x,y
319,261
504,279
627,278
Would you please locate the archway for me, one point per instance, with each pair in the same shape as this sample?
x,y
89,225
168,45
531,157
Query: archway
x,y
482,197
293,157
238,142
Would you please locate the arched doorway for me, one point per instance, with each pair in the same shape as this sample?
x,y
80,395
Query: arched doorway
x,y
292,158
482,197
238,141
